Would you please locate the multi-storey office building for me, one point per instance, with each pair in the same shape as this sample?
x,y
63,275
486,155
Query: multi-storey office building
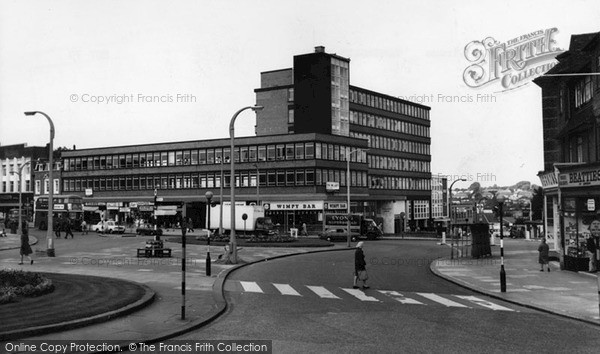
x,y
571,176
311,122
15,158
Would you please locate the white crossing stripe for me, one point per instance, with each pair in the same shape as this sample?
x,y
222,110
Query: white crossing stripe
x,y
360,295
322,292
251,287
484,303
400,298
441,300
286,289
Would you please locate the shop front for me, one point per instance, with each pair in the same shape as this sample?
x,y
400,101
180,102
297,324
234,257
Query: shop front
x,y
293,214
578,197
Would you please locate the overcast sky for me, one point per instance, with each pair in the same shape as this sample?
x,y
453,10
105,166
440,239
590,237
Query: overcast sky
x,y
59,56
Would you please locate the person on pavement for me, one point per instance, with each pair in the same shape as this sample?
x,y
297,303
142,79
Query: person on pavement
x,y
25,248
591,253
544,251
360,270
67,227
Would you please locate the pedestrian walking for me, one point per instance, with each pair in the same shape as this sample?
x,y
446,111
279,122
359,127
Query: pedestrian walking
x,y
190,225
544,251
68,230
25,248
57,227
84,228
304,230
591,253
360,267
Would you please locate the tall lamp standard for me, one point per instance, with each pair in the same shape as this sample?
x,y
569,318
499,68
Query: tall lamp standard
x,y
348,154
500,200
450,216
232,240
20,229
49,240
208,196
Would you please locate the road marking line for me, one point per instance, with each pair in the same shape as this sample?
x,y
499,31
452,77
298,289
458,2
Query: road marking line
x,y
251,287
322,292
286,289
484,303
441,300
360,294
400,298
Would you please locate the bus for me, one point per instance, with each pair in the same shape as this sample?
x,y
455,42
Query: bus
x,y
65,206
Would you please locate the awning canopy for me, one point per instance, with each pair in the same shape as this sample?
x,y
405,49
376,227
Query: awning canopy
x,y
166,212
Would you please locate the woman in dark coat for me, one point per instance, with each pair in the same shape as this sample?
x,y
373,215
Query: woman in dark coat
x,y
25,248
544,251
359,265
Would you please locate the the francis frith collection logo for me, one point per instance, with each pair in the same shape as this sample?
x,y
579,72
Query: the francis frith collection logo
x,y
513,63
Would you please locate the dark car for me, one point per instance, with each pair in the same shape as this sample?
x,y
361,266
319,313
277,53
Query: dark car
x,y
148,230
337,235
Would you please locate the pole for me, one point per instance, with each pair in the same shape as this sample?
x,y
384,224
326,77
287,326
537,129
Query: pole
x,y
220,206
183,232
502,271
232,240
49,238
208,196
348,194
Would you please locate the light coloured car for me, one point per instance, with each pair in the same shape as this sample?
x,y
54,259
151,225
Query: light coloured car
x,y
109,226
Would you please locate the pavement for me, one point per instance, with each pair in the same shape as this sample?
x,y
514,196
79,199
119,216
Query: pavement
x,y
565,293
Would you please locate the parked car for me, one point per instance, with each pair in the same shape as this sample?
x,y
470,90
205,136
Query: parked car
x,y
148,230
337,235
109,226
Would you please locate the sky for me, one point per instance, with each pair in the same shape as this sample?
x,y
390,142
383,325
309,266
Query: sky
x,y
113,73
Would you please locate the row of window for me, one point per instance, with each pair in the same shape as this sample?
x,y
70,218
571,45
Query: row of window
x,y
398,164
38,187
397,183
13,186
419,209
271,178
389,124
254,153
584,90
388,105
392,144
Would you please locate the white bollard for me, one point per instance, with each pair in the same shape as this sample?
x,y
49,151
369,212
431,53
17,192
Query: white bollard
x,y
443,238
527,235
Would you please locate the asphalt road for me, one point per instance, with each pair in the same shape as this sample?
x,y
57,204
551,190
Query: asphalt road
x,y
306,304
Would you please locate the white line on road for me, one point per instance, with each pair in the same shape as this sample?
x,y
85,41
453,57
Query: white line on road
x,y
286,289
322,292
484,303
359,294
251,287
441,300
400,298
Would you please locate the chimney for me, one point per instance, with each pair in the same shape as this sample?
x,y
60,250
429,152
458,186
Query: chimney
x,y
320,49
74,147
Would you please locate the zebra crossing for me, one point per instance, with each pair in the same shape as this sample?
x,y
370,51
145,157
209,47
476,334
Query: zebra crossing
x,y
370,295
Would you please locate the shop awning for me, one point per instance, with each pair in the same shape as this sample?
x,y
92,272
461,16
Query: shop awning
x,y
90,208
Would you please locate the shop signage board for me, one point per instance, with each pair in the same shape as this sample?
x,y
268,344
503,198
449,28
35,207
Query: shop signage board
x,y
332,186
300,205
336,206
548,180
89,192
582,177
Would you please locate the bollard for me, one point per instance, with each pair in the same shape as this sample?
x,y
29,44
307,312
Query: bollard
x,y
208,271
443,237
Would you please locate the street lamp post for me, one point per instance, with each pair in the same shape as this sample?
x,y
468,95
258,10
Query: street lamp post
x,y
232,240
20,229
209,196
500,200
49,240
348,154
450,215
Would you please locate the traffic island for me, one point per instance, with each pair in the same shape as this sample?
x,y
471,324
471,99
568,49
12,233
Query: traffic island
x,y
246,242
77,300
